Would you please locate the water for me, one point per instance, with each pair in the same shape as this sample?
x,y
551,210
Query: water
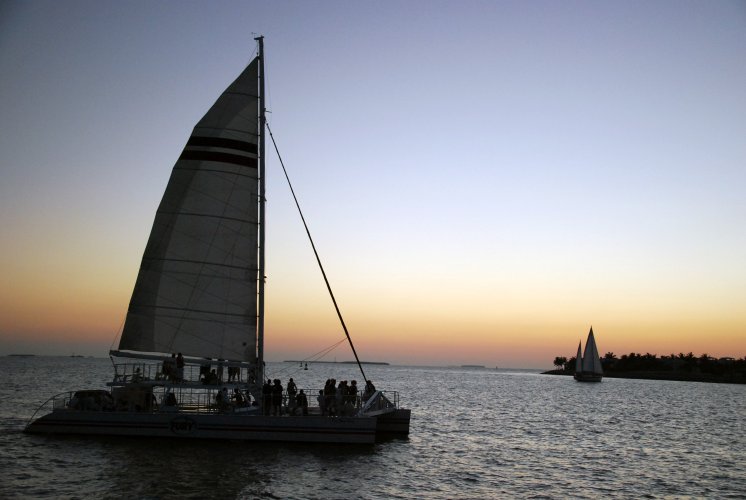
x,y
474,434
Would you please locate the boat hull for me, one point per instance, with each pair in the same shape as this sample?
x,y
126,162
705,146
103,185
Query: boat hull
x,y
588,377
394,424
312,429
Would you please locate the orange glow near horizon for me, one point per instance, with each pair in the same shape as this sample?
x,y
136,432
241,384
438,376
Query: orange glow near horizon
x,y
422,316
523,328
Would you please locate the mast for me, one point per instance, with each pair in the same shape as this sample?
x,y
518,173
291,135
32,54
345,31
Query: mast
x,y
262,210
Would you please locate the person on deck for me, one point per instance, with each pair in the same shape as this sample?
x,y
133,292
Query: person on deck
x,y
179,368
302,403
169,366
204,372
238,397
353,393
330,392
266,397
277,398
292,390
321,400
370,389
220,370
226,399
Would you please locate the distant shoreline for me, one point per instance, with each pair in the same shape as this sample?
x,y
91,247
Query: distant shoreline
x,y
337,362
663,375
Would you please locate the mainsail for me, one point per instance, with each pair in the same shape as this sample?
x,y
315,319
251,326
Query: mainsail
x,y
591,359
196,291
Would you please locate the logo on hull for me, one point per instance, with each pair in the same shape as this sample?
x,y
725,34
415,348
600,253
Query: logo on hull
x,y
183,425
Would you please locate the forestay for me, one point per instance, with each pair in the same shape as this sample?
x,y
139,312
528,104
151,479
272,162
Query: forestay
x,y
196,291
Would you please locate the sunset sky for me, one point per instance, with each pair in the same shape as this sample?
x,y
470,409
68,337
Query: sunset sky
x,y
484,180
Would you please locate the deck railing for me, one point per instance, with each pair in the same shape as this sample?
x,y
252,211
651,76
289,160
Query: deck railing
x,y
202,399
209,373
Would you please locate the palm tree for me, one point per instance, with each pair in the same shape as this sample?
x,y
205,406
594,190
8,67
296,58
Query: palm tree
x,y
560,361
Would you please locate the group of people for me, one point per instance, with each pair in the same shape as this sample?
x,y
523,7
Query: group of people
x,y
225,400
343,398
173,368
334,400
337,399
214,376
272,399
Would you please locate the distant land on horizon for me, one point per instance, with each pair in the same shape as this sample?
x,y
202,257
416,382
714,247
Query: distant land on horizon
x,y
339,362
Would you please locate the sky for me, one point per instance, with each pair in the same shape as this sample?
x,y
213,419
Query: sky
x,y
484,180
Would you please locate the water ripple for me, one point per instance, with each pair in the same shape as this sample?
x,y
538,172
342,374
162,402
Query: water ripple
x,y
475,434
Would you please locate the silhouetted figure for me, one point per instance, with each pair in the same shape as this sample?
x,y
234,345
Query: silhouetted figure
x,y
179,368
204,371
370,389
220,370
354,393
169,367
238,397
292,390
266,397
302,402
277,398
321,399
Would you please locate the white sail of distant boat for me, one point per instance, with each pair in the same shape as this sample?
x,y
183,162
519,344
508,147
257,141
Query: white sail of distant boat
x,y
200,293
588,367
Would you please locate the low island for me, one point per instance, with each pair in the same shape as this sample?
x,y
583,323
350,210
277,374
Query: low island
x,y
682,367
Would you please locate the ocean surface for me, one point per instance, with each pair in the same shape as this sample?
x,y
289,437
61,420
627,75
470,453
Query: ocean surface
x,y
475,433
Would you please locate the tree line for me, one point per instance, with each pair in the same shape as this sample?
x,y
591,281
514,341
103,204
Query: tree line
x,y
691,367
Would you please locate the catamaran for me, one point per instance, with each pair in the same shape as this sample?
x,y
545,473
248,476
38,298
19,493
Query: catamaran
x,y
588,366
200,293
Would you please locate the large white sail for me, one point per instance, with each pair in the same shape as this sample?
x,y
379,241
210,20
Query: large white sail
x,y
591,359
196,291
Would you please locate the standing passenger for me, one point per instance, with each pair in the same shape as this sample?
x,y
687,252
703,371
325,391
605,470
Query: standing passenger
x,y
179,368
220,370
277,398
291,390
321,398
302,402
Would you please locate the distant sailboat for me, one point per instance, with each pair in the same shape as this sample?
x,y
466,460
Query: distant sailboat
x,y
588,366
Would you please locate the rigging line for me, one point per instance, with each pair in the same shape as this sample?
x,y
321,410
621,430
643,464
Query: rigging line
x,y
316,253
317,356
294,370
118,335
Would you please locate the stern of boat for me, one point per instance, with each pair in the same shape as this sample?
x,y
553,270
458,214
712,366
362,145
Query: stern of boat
x,y
391,421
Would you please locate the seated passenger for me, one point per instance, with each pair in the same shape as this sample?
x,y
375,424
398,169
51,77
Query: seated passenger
x,y
238,397
170,399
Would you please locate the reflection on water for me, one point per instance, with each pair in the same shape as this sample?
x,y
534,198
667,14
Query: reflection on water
x,y
475,434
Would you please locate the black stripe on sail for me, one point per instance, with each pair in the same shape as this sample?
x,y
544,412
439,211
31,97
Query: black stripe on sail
x,y
220,142
136,307
200,262
243,161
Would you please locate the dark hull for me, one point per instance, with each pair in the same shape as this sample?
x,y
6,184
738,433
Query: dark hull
x,y
394,424
315,429
588,377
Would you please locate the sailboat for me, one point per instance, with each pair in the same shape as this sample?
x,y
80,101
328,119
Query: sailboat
x,y
200,293
588,366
